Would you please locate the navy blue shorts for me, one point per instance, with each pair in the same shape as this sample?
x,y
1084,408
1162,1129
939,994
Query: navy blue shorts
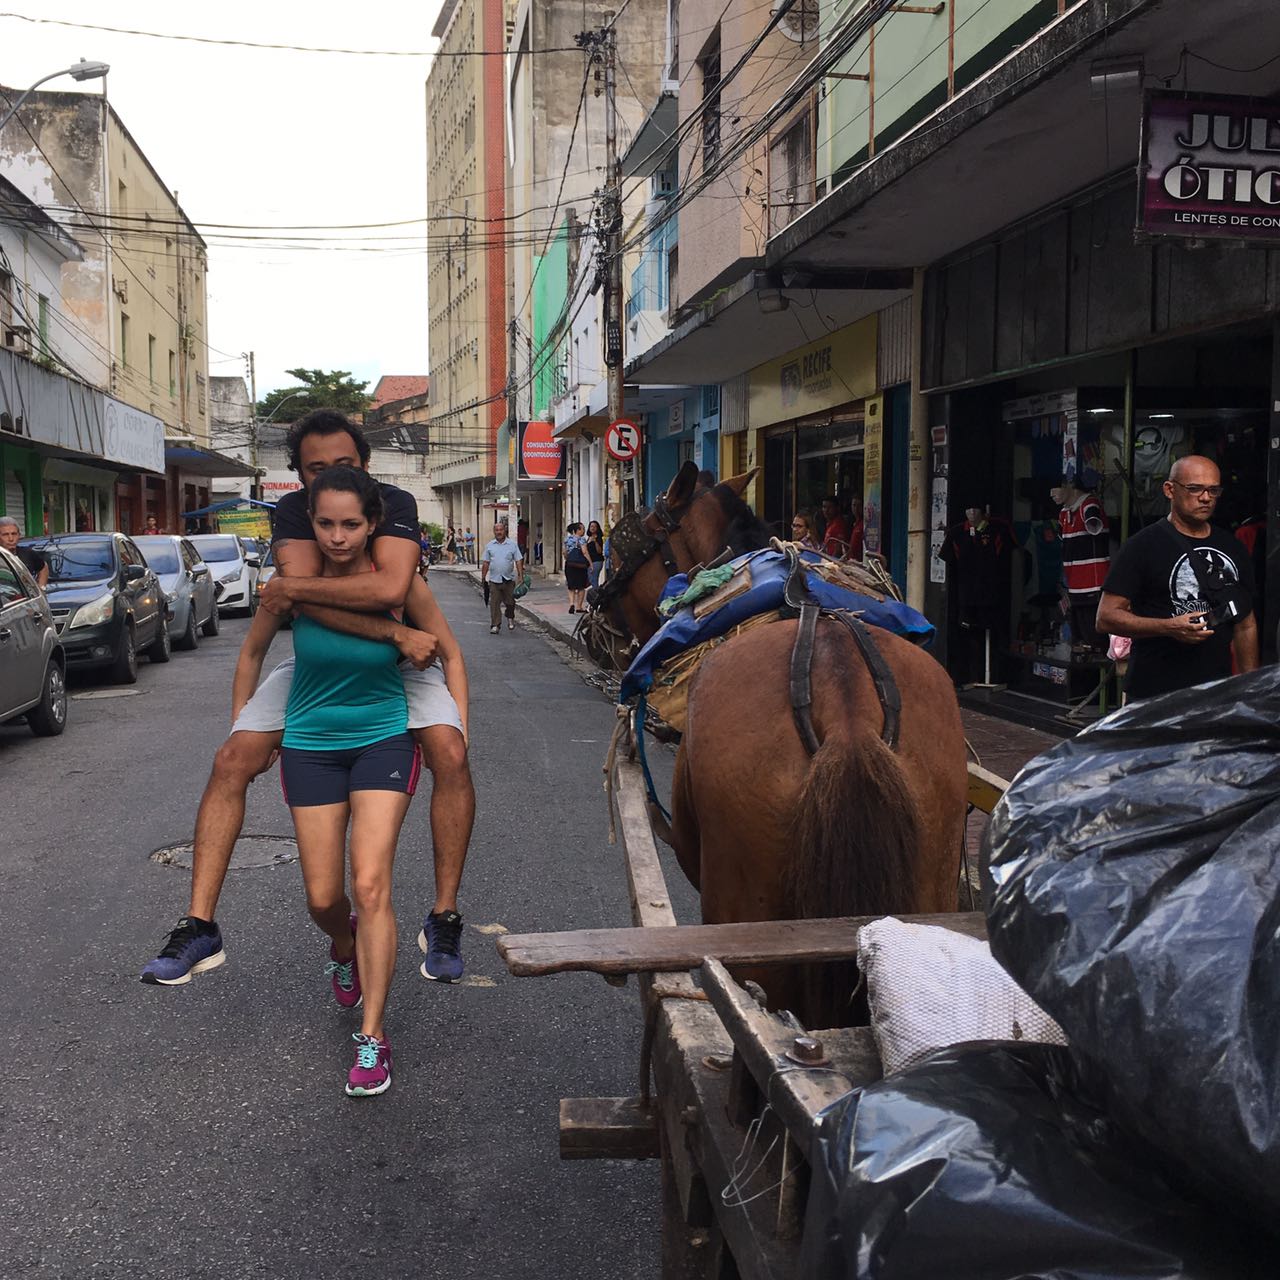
x,y
311,778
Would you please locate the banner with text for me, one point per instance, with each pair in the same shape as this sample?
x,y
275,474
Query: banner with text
x,y
1211,167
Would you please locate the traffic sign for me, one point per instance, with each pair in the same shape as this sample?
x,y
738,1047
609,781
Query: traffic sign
x,y
623,439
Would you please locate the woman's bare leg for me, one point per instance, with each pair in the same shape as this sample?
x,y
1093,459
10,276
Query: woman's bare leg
x,y
376,819
322,840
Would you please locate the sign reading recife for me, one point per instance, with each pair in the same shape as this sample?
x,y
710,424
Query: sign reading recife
x,y
542,460
1211,167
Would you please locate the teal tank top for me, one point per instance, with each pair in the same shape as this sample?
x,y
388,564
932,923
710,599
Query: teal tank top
x,y
346,692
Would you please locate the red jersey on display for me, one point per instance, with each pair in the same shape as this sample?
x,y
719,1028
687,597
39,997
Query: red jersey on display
x,y
1086,555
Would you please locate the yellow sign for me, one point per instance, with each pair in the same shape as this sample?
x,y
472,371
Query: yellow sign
x,y
246,522
835,369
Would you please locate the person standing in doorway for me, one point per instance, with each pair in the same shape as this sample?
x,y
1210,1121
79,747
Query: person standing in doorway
x,y
501,568
1182,591
152,525
577,565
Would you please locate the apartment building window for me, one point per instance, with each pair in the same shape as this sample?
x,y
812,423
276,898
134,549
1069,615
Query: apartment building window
x,y
200,392
173,373
709,66
151,358
124,339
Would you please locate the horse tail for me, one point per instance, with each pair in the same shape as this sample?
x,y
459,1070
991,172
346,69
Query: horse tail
x,y
856,834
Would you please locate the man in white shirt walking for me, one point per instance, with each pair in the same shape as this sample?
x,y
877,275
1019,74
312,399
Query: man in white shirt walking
x,y
501,567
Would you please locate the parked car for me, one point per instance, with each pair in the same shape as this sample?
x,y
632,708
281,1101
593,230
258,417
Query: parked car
x,y
187,583
234,572
32,662
107,604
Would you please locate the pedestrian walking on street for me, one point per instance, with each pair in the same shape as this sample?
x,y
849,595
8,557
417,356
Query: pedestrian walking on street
x,y
451,545
577,566
1182,591
435,682
595,552
347,760
501,568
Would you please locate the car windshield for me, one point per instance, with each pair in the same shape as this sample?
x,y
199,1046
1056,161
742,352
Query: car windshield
x,y
81,560
224,547
160,554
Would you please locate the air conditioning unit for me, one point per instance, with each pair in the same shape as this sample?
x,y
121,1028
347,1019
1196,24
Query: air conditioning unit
x,y
663,184
17,338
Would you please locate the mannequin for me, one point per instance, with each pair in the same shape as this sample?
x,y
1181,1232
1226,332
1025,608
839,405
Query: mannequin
x,y
981,551
1086,556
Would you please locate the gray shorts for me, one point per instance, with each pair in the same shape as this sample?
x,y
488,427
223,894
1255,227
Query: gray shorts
x,y
430,701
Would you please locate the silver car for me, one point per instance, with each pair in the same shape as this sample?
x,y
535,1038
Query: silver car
x,y
32,663
187,584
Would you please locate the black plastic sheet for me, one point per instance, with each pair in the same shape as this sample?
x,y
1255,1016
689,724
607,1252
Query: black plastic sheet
x,y
988,1163
1132,878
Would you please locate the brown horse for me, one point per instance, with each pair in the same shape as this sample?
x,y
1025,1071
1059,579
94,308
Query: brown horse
x,y
763,830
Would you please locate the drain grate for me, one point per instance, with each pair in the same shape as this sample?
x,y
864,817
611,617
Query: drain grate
x,y
250,853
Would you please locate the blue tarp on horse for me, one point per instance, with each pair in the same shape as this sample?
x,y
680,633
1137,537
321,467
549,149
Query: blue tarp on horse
x,y
768,579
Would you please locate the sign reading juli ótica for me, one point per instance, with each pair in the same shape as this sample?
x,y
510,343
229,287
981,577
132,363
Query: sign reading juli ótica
x,y
542,459
1211,167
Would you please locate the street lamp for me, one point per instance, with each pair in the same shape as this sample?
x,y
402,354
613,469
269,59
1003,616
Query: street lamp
x,y
81,70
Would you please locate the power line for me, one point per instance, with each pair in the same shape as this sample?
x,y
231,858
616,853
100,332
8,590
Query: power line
x,y
288,48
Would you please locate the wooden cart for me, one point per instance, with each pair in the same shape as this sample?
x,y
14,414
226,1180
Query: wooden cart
x,y
729,1093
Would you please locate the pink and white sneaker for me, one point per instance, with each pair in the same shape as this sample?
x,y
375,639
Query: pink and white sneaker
x,y
345,976
372,1071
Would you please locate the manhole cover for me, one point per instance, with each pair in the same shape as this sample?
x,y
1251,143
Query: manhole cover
x,y
92,695
250,852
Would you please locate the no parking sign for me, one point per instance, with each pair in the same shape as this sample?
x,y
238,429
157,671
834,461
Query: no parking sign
x,y
623,439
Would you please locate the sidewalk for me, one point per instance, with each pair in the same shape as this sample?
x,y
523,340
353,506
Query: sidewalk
x,y
547,601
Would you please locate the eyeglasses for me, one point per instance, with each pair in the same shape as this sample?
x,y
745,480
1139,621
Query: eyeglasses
x,y
1195,490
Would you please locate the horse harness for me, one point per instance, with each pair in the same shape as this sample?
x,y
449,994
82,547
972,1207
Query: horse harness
x,y
634,542
798,598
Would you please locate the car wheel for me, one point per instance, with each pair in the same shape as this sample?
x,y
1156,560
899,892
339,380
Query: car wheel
x,y
213,623
124,670
161,649
191,634
50,718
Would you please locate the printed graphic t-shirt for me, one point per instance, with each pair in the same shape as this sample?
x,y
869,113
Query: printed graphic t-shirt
x,y
1154,572
399,516
347,691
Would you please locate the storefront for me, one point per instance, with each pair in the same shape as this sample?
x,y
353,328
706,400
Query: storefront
x,y
1060,398
814,413
20,478
77,498
686,430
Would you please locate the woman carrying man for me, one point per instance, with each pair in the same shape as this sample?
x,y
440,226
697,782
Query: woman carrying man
x,y
347,760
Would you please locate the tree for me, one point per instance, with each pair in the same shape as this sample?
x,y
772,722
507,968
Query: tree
x,y
320,389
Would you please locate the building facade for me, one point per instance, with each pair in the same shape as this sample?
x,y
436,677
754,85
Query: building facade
x,y
133,317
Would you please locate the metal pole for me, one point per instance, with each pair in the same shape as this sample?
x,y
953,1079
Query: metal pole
x,y
613,304
513,429
253,423
1126,501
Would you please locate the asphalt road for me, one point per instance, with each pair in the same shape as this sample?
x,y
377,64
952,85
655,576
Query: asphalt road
x,y
203,1130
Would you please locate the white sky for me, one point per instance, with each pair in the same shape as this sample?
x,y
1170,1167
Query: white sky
x,y
273,137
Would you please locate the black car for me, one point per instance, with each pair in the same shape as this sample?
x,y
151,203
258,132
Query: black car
x,y
107,604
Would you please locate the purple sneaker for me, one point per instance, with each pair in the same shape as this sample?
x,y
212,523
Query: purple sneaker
x,y
372,1071
345,976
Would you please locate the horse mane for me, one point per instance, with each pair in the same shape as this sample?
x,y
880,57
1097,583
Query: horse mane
x,y
744,530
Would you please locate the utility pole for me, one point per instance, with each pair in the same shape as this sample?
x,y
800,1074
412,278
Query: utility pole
x,y
253,422
602,46
513,429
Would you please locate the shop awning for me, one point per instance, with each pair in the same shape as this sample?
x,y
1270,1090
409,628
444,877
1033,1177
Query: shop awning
x,y
196,460
738,329
215,507
649,152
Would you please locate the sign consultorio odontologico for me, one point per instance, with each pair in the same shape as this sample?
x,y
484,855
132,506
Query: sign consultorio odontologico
x,y
1211,167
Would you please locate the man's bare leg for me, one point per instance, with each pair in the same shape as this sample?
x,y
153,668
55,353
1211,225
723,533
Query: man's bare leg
x,y
240,759
453,807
